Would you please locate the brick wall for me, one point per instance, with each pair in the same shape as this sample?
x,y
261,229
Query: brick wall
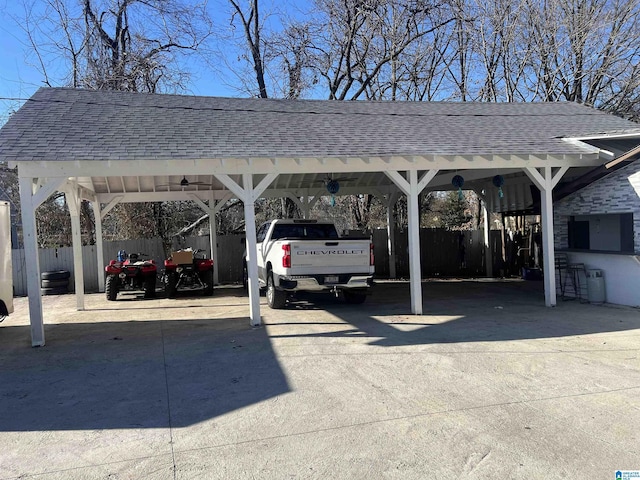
x,y
618,192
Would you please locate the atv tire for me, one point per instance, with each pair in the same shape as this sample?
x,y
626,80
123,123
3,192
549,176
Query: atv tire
x,y
207,279
150,286
170,282
111,287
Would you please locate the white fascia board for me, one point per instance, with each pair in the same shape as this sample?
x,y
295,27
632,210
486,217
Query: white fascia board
x,y
285,165
579,142
606,136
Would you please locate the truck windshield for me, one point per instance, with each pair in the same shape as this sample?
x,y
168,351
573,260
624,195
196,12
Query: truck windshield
x,y
316,231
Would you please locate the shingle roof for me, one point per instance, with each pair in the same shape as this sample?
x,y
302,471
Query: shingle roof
x,y
68,124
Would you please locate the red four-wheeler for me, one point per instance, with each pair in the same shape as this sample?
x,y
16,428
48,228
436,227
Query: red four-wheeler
x,y
184,271
130,272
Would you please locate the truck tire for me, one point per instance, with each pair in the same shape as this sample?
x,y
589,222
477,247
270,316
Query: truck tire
x,y
276,299
170,282
245,276
354,297
207,279
150,286
111,287
55,275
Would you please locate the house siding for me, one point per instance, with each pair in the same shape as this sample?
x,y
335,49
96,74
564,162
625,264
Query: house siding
x,y
618,192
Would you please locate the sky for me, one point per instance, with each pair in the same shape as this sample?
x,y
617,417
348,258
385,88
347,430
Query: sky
x,y
19,78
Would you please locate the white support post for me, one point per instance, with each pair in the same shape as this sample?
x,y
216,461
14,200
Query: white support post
x,y
99,244
488,253
486,223
251,245
73,202
30,239
248,195
304,202
415,272
412,189
211,211
546,181
309,201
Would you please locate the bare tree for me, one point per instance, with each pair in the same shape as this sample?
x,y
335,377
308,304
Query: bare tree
x,y
586,51
290,52
360,40
496,25
461,68
249,18
129,45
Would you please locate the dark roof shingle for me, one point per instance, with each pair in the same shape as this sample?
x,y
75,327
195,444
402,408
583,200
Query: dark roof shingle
x,y
68,124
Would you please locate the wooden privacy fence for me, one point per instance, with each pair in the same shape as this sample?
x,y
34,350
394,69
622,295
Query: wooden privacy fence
x,y
443,253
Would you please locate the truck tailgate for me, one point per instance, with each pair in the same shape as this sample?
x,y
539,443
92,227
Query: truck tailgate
x,y
334,256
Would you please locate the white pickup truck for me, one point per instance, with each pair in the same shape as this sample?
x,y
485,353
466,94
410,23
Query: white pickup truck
x,y
307,255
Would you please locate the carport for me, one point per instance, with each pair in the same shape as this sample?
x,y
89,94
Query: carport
x,y
111,147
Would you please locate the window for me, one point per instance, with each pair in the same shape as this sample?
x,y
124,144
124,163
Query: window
x,y
604,233
315,231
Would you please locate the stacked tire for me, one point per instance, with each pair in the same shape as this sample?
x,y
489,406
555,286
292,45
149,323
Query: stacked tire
x,y
55,282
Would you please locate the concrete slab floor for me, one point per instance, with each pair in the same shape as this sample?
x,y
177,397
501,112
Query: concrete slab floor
x,y
488,383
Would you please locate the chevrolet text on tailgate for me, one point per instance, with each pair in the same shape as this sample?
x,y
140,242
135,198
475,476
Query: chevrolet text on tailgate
x,y
307,255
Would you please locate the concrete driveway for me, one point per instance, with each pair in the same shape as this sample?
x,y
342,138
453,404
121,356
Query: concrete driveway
x,y
488,383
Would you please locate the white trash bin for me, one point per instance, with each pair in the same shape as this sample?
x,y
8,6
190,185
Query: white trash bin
x,y
595,286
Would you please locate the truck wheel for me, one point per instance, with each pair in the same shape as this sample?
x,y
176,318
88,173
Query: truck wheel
x,y
170,283
354,298
150,286
111,287
275,298
207,279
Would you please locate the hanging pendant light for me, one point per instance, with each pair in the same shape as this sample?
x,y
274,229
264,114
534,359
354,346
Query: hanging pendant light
x,y
332,187
458,182
498,181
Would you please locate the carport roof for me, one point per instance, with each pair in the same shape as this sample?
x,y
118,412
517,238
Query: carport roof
x,y
59,124
110,147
